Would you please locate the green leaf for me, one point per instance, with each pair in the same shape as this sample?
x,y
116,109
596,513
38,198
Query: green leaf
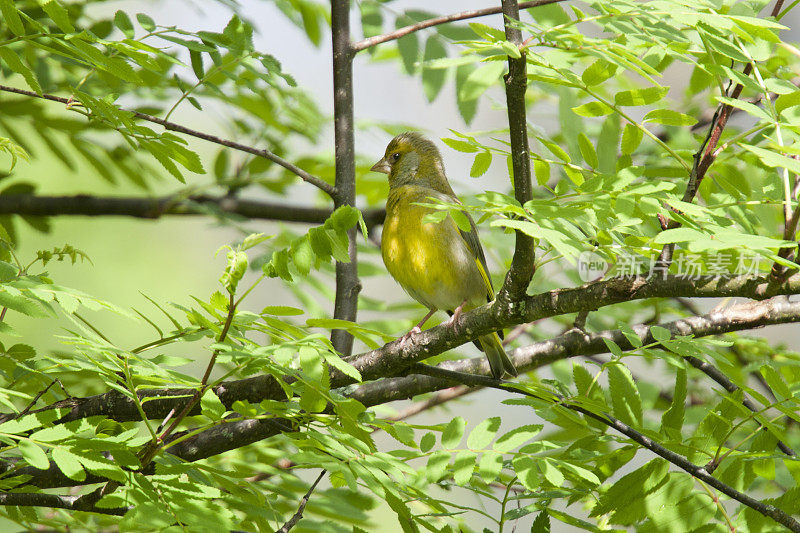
x,y
786,101
480,79
637,97
481,164
607,144
68,463
773,159
408,46
466,108
516,437
527,471
775,382
461,146
342,366
146,22
453,432
625,400
631,137
632,487
59,15
11,17
490,465
541,523
198,69
281,310
211,406
480,437
551,472
463,466
679,235
673,417
123,22
668,117
598,72
587,150
542,171
592,109
433,79
33,454
12,61
427,442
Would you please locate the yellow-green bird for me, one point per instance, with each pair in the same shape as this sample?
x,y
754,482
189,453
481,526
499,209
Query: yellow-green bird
x,y
436,263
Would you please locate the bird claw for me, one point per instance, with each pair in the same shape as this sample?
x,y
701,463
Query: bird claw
x,y
454,322
405,340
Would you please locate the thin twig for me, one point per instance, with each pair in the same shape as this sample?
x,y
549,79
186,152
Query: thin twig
x,y
300,508
463,15
172,126
694,470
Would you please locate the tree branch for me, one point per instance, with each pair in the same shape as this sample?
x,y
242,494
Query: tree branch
x,y
171,126
232,435
303,502
516,81
55,501
347,283
176,204
464,15
704,158
694,470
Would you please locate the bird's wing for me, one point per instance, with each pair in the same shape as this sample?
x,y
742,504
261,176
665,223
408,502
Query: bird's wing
x,y
474,244
471,240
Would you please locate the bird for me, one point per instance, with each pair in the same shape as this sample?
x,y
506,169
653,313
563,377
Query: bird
x,y
436,263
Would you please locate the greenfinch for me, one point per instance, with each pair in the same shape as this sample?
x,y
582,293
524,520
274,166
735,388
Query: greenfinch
x,y
438,264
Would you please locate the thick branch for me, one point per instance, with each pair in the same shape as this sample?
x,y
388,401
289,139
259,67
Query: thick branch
x,y
153,208
40,499
464,15
347,283
522,264
394,358
266,154
236,434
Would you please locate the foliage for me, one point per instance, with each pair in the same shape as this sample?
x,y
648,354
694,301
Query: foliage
x,y
609,177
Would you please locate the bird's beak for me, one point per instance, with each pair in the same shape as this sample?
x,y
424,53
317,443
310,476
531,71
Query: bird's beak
x,y
382,166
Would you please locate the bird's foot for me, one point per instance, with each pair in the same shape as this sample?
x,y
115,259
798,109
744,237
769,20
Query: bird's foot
x,y
454,322
405,340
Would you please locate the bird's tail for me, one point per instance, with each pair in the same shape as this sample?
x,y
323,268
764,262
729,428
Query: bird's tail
x,y
498,359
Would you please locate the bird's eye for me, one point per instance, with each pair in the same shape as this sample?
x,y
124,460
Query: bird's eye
x,y
396,156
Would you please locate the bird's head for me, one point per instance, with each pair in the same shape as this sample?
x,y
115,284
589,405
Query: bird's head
x,y
411,158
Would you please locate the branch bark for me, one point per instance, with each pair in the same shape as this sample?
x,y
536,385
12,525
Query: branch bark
x,y
177,204
347,283
172,126
40,499
522,265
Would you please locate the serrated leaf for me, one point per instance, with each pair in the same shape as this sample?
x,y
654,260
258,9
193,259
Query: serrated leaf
x,y
673,417
12,61
668,117
592,109
587,150
211,406
480,437
625,399
481,164
59,15
33,454
480,79
11,17
631,137
598,72
516,437
68,463
453,432
123,22
639,97
463,466
433,79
